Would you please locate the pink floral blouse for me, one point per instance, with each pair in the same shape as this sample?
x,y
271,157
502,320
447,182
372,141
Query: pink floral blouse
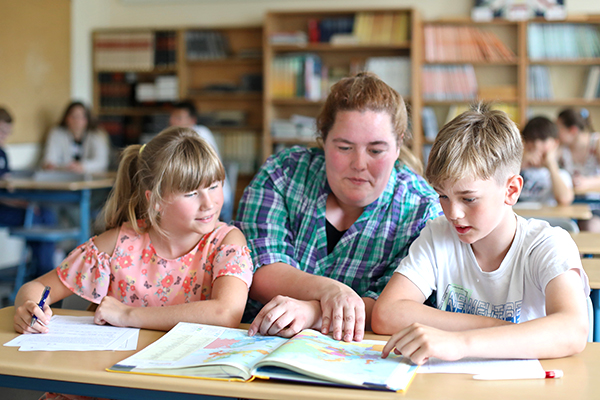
x,y
137,276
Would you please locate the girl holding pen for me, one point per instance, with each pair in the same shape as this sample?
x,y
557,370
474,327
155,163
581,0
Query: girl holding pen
x,y
164,250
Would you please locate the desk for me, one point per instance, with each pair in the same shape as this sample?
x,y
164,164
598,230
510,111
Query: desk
x,y
84,373
587,242
59,191
573,211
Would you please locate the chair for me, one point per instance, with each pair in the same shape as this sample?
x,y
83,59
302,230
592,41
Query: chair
x,y
31,233
566,223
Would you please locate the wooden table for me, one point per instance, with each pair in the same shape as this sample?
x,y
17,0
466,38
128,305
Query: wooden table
x,y
84,373
587,242
573,211
56,187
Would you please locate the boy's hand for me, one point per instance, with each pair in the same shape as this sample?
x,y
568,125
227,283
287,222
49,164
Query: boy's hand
x,y
551,155
111,311
25,313
419,342
284,316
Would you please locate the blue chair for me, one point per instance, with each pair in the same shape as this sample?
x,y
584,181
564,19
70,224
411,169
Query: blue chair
x,y
31,233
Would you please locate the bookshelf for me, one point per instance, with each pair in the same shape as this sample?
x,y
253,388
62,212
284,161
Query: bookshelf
x,y
139,73
465,61
305,52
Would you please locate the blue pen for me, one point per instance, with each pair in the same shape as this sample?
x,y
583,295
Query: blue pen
x,y
41,303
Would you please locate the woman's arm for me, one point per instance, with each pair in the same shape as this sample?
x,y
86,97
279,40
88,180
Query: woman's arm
x,y
97,153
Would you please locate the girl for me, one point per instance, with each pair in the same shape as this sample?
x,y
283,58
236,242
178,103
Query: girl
x,y
581,157
164,249
77,145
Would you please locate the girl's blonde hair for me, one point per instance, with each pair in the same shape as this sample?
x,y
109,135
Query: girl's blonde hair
x,y
177,160
362,92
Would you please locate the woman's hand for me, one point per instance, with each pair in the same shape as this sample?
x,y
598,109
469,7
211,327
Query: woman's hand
x,y
285,316
24,314
343,313
111,311
419,342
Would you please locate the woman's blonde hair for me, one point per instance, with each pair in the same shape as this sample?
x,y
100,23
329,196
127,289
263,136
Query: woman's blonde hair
x,y
480,143
177,160
365,91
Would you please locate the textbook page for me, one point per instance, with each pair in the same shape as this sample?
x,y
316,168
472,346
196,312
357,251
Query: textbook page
x,y
202,350
476,366
68,333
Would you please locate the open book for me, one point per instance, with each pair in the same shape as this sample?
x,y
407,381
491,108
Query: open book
x,y
204,351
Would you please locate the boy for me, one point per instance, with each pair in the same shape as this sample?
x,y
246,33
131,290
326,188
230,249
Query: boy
x,y
184,114
506,287
543,180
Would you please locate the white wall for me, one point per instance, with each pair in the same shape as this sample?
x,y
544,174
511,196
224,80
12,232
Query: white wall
x,y
88,15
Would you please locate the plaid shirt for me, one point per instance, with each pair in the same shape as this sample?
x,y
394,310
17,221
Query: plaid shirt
x,y
282,215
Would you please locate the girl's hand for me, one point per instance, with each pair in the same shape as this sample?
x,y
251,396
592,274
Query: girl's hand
x,y
284,316
24,314
419,342
111,311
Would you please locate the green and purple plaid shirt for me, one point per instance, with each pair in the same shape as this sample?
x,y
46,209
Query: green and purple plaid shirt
x,y
282,215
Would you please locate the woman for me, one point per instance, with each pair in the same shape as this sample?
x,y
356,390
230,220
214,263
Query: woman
x,y
76,144
327,227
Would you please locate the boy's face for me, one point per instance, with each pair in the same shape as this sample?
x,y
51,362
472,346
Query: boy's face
x,y
182,118
476,208
535,151
5,131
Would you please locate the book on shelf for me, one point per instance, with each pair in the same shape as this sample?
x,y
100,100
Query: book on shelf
x,y
461,43
449,82
165,55
592,83
430,124
563,41
206,45
395,71
386,28
203,351
539,85
239,146
297,76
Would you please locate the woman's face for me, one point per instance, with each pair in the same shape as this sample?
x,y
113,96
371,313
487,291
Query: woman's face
x,y
360,152
77,121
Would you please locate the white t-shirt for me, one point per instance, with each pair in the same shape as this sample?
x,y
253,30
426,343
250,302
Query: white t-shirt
x,y
515,292
537,185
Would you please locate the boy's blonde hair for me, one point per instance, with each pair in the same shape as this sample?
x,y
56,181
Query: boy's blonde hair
x,y
176,161
480,143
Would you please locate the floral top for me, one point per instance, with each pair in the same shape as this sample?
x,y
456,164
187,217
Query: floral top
x,y
137,276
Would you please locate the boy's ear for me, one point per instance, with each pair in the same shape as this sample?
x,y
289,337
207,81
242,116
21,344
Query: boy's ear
x,y
513,189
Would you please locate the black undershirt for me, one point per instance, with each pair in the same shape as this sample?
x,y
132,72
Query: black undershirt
x,y
333,236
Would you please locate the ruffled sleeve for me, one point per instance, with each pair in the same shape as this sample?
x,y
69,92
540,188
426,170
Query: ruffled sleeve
x,y
233,260
86,272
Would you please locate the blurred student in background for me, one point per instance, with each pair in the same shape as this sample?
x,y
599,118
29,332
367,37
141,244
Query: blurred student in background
x,y
543,180
76,144
580,156
12,212
185,115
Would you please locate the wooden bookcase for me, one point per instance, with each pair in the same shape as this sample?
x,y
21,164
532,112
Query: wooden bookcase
x,y
347,57
221,74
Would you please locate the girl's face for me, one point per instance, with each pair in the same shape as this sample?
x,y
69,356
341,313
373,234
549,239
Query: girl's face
x,y
566,135
360,152
194,212
77,121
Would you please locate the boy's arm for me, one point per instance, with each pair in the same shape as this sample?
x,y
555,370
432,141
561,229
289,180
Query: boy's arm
x,y
563,332
563,193
401,305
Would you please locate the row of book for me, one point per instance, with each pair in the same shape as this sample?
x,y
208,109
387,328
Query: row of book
x,y
395,71
592,83
449,82
135,51
563,41
240,147
463,43
384,28
206,45
297,126
539,85
122,90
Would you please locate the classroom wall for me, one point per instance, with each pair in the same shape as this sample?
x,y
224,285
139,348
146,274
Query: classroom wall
x,y
35,64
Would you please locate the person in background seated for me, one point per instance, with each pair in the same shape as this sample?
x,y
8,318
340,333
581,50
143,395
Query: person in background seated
x,y
77,145
327,226
580,156
543,180
184,114
506,287
12,212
